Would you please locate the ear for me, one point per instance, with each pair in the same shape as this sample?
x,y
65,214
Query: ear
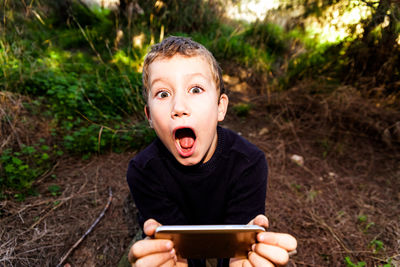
x,y
222,106
148,116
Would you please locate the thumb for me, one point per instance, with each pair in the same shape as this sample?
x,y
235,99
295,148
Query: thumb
x,y
260,220
150,227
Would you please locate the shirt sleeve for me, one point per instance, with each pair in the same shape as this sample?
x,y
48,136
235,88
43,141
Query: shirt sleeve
x,y
248,193
151,198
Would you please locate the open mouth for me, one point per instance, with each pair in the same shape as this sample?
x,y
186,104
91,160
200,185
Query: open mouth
x,y
185,141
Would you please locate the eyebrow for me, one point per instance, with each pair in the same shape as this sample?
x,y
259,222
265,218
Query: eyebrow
x,y
187,76
156,80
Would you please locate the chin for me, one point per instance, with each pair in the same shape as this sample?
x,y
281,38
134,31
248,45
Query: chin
x,y
188,161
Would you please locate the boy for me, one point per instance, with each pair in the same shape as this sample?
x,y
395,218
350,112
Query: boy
x,y
196,172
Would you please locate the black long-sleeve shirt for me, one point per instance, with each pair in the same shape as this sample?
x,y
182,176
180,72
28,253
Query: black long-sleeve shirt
x,y
230,188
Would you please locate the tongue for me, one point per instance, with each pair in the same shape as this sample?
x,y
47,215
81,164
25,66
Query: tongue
x,y
186,142
186,138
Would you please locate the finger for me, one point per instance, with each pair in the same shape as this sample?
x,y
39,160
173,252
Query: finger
x,y
258,261
146,247
281,240
181,263
150,227
169,263
246,263
237,262
157,259
274,254
260,220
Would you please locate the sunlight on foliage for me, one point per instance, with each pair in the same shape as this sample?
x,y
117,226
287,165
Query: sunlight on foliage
x,y
250,10
334,26
120,58
55,58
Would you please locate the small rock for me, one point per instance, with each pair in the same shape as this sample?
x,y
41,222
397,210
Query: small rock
x,y
299,160
263,131
332,175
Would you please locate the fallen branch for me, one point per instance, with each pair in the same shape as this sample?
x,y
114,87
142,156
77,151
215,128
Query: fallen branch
x,y
110,196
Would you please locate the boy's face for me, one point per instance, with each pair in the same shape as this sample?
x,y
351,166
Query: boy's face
x,y
184,108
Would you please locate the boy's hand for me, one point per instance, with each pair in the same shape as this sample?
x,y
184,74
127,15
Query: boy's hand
x,y
272,249
152,252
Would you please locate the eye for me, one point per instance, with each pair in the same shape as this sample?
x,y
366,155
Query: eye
x,y
163,94
196,90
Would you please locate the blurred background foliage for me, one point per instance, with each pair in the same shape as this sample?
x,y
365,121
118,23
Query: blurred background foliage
x,y
70,70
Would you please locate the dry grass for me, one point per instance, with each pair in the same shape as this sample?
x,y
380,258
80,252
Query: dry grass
x,y
12,113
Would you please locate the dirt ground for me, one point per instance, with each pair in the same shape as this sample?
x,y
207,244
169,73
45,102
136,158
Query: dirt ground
x,y
342,201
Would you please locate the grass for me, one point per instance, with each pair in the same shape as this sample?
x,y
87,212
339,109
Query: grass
x,y
241,45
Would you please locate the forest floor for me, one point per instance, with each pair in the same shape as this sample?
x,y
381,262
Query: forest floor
x,y
342,201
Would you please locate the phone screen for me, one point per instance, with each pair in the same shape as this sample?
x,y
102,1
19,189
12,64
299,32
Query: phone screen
x,y
210,241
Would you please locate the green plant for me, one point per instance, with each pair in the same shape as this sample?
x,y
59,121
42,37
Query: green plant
x,y
364,223
349,263
311,195
15,172
316,59
20,168
362,218
267,36
74,81
297,187
388,263
326,145
54,190
172,15
242,109
376,245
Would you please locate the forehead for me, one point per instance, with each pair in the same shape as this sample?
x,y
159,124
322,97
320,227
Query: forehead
x,y
180,66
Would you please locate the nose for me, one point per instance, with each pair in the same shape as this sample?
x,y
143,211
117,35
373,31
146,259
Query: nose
x,y
180,107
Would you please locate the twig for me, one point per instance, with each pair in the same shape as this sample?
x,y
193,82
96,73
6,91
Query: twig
x,y
39,204
46,174
46,215
103,126
309,171
87,38
330,230
110,196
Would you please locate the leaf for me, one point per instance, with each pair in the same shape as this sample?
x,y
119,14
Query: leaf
x,y
23,167
16,161
9,168
54,189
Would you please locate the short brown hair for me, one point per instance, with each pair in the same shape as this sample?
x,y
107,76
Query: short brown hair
x,y
177,45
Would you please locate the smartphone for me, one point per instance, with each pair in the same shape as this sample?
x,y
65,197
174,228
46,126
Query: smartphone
x,y
210,241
